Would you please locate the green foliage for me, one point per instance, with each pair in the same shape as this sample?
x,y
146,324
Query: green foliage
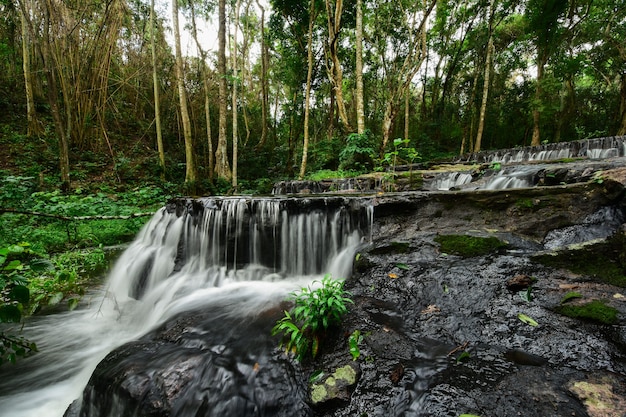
x,y
596,311
353,343
14,297
326,174
572,295
469,246
359,153
314,311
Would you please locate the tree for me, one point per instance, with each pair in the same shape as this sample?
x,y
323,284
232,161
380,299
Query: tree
x,y
335,73
360,110
307,94
543,21
222,168
190,171
34,128
155,83
483,106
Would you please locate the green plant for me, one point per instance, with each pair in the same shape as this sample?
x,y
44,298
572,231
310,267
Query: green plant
x,y
401,152
14,296
314,311
353,343
571,296
359,153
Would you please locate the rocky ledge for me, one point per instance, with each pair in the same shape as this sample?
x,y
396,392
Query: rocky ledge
x,y
467,303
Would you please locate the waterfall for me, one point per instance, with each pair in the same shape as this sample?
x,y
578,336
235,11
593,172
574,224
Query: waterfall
x,y
597,148
240,255
450,180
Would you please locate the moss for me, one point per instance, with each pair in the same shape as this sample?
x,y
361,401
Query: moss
x,y
570,296
318,393
525,203
603,262
469,246
596,311
347,374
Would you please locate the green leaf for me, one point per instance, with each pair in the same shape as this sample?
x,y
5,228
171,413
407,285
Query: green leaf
x,y
468,415
16,249
528,320
20,293
10,314
41,265
13,265
55,298
72,303
403,267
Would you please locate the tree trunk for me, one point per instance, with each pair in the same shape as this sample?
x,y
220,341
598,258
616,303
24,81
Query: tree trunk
x,y
235,113
190,172
157,101
53,100
622,128
541,62
264,89
222,168
307,94
205,88
335,73
33,128
483,105
360,110
406,113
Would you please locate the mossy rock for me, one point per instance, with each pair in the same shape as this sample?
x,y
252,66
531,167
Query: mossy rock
x,y
595,311
335,390
469,246
603,261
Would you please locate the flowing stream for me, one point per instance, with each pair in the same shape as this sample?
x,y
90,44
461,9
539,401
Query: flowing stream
x,y
236,254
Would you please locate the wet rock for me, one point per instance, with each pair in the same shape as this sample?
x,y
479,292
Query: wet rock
x,y
519,283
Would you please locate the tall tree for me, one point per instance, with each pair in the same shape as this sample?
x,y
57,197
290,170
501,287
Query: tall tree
x,y
487,72
222,167
205,88
190,171
155,83
402,54
358,48
307,94
31,113
543,19
335,72
235,113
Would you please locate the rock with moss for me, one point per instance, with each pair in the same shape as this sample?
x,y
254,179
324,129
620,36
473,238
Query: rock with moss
x,y
335,390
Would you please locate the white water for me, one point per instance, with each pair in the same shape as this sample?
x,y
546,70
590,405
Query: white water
x,y
179,264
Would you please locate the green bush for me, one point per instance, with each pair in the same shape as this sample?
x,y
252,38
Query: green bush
x,y
314,311
14,297
359,153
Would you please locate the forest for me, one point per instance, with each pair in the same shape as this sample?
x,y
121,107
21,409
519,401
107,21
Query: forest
x,y
104,89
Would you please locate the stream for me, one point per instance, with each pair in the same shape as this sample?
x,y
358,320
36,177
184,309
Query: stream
x,y
234,256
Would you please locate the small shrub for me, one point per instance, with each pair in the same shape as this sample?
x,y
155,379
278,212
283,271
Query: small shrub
x,y
314,311
359,153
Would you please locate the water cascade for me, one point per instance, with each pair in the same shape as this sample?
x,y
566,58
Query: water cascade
x,y
597,148
234,257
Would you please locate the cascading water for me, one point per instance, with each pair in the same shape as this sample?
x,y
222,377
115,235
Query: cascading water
x,y
232,256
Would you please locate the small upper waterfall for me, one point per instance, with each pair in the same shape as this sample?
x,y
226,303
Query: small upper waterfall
x,y
236,255
597,148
